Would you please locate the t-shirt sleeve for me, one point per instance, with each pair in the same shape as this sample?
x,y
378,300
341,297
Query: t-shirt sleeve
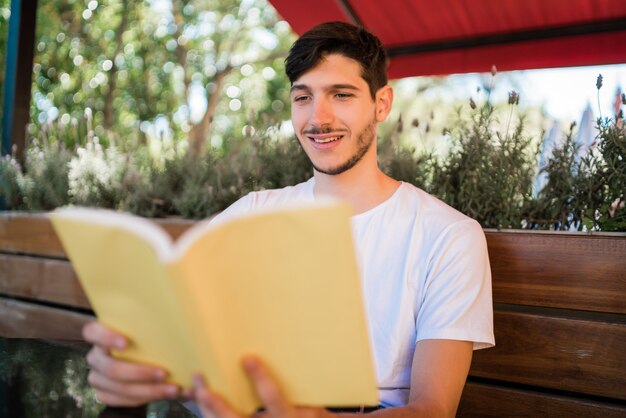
x,y
456,303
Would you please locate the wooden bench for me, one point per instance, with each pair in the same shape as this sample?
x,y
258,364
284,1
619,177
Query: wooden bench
x,y
560,316
560,326
40,296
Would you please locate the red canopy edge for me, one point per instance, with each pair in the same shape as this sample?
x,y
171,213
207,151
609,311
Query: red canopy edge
x,y
595,49
459,36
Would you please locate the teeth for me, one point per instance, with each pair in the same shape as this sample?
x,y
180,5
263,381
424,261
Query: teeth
x,y
326,140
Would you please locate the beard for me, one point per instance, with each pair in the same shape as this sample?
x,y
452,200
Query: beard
x,y
364,141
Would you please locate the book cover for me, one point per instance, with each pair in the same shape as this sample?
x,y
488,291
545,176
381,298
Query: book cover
x,y
282,284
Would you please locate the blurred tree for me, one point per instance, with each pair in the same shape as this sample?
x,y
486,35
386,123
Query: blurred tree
x,y
197,69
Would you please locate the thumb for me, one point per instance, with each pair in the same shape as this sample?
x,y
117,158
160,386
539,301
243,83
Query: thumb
x,y
268,389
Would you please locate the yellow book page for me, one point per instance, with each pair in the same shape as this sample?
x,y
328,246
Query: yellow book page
x,y
129,291
284,286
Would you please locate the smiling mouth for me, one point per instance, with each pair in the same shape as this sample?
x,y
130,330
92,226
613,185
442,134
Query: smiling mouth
x,y
326,139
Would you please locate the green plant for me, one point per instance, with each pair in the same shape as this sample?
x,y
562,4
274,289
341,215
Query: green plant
x,y
488,174
403,162
181,187
556,203
42,184
586,193
196,186
10,175
280,162
602,179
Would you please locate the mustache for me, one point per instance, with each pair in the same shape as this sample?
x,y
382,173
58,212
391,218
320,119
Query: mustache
x,y
315,130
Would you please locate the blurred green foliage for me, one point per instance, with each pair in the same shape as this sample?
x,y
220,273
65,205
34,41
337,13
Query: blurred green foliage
x,y
45,379
586,191
48,379
488,173
200,70
601,179
178,108
166,180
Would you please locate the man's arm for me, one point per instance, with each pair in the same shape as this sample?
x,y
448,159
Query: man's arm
x,y
438,376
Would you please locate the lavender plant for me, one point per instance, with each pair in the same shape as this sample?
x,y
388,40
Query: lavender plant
x,y
487,173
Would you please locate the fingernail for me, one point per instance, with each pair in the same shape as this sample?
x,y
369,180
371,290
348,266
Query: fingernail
x,y
198,382
120,343
188,393
172,391
206,398
250,363
159,374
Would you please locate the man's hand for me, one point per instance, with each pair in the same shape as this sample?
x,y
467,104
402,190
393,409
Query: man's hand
x,y
275,403
121,383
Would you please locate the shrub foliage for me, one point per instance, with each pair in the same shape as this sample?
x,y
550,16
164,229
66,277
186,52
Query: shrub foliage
x,y
488,173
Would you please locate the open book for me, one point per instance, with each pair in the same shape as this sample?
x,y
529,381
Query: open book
x,y
282,284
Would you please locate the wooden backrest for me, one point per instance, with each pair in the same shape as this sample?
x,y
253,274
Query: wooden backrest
x,y
40,296
560,325
559,313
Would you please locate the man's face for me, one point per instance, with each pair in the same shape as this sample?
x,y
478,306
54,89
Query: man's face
x,y
333,114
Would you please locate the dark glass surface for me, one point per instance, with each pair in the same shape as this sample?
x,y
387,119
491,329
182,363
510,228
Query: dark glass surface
x,y
48,379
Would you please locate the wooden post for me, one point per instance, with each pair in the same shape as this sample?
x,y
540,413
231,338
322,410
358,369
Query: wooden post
x,y
18,75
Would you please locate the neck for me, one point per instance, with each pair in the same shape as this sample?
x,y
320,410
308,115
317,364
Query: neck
x,y
363,187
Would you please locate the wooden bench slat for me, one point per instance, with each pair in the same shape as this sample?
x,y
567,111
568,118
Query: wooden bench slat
x,y
489,401
28,234
43,279
576,355
33,233
27,320
540,349
585,274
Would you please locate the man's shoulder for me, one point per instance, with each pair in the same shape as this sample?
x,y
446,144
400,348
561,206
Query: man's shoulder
x,y
264,199
271,197
434,220
429,207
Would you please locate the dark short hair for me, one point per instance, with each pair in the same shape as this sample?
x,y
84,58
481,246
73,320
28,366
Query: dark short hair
x,y
344,39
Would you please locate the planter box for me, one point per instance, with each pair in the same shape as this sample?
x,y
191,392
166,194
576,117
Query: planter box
x,y
559,312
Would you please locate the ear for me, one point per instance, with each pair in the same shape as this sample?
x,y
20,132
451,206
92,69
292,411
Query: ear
x,y
384,100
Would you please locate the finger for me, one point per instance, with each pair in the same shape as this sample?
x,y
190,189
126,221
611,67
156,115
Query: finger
x,y
96,333
187,393
266,387
102,362
110,399
210,403
115,400
129,394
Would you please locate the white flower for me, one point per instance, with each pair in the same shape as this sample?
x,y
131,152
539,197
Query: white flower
x,y
94,171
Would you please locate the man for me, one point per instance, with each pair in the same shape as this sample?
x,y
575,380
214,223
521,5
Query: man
x,y
425,268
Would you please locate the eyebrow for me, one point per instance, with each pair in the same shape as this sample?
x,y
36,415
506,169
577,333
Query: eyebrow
x,y
329,88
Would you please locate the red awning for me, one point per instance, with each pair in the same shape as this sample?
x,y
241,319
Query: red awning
x,y
426,37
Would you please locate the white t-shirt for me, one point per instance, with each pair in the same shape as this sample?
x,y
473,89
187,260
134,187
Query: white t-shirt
x,y
425,273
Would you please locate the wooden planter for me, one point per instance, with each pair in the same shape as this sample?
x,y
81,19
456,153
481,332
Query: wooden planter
x,y
559,299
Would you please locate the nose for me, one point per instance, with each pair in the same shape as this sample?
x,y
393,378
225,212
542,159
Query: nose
x,y
321,113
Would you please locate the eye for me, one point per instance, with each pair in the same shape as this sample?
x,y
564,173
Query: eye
x,y
343,96
301,98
